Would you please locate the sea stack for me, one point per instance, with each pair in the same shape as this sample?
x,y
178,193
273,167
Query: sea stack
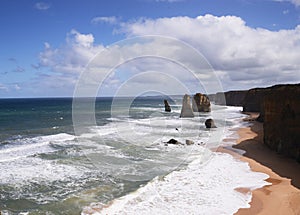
x,y
201,103
209,123
186,110
167,106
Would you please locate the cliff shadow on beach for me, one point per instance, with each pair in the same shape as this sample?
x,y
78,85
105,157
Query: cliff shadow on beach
x,y
255,149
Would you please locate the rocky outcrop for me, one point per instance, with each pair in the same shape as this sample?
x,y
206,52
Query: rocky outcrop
x,y
201,103
281,116
189,142
176,142
209,123
167,106
186,110
173,141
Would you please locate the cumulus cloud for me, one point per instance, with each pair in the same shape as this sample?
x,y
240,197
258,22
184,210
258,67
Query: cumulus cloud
x,y
71,58
42,6
105,19
111,67
242,57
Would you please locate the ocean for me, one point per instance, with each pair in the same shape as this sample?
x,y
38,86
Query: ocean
x,y
122,162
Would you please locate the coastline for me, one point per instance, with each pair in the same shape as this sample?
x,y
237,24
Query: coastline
x,y
283,195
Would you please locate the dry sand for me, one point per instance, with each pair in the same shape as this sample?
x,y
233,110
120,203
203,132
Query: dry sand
x,y
283,196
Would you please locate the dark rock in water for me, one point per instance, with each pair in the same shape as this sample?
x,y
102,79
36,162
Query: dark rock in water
x,y
186,110
167,106
209,123
189,142
201,103
173,141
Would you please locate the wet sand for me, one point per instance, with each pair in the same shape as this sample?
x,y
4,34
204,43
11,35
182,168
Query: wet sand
x,y
283,196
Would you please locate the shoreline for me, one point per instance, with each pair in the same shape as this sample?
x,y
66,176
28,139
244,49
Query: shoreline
x,y
283,195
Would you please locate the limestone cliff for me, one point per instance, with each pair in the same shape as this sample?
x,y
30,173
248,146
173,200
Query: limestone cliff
x,y
253,99
281,113
201,103
230,98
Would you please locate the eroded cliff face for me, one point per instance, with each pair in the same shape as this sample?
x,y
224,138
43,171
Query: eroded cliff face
x,y
230,98
201,103
253,99
281,114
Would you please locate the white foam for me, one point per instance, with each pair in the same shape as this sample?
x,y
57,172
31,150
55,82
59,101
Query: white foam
x,y
199,189
34,169
31,146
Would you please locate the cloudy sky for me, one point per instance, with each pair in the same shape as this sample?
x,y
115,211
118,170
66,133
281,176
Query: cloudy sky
x,y
115,47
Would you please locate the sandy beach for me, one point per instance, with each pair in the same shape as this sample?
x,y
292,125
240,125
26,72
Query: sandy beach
x,y
283,196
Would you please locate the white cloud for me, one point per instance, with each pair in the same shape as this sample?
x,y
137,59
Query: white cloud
x,y
246,56
76,38
42,6
105,19
137,56
243,57
3,88
71,58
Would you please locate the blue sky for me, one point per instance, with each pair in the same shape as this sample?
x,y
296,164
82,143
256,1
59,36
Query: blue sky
x,y
45,45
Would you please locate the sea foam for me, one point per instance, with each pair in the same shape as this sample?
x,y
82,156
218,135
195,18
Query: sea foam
x,y
200,188
206,186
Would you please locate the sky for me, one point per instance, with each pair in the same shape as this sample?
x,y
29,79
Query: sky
x,y
62,48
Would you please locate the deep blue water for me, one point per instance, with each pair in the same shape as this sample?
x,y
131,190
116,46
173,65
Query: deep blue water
x,y
44,116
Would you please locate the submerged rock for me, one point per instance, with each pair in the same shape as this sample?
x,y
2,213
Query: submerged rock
x,y
189,142
167,106
173,141
209,123
186,110
201,103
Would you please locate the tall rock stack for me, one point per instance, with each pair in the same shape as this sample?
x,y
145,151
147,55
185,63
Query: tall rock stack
x,y
201,103
186,110
167,106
